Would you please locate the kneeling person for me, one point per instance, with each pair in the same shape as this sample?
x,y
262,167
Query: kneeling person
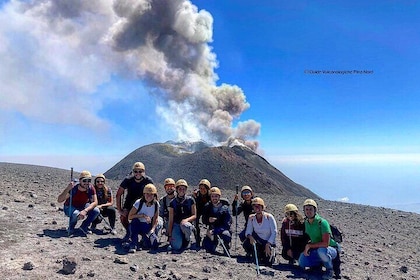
x,y
217,216
320,250
261,232
144,220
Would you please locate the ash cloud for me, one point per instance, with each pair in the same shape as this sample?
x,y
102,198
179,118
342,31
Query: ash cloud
x,y
73,47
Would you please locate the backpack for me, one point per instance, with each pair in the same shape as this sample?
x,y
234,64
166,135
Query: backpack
x,y
336,234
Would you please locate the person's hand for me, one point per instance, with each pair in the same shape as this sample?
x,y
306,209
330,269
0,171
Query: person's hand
x,y
235,198
252,240
70,186
267,250
184,222
306,251
212,219
82,214
147,218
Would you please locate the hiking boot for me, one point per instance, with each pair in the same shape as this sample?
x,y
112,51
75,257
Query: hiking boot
x,y
329,274
106,227
93,227
132,249
126,237
85,231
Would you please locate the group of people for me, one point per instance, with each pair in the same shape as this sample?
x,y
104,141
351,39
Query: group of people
x,y
177,216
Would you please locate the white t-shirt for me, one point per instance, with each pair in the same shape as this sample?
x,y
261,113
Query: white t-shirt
x,y
145,210
267,230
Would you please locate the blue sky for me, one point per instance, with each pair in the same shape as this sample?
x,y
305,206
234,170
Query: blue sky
x,y
331,89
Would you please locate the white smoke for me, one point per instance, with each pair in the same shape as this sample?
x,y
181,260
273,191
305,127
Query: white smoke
x,y
72,47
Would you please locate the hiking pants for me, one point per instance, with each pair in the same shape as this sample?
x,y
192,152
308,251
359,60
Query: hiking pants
x,y
260,246
74,212
142,228
210,245
321,256
109,212
181,234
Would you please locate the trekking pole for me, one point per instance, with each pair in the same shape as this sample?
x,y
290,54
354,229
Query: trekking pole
x,y
256,259
71,198
236,216
102,218
223,245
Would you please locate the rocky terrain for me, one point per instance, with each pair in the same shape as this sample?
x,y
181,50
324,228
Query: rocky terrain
x,y
379,243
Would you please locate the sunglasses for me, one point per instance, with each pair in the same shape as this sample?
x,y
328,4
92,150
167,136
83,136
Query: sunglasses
x,y
138,171
246,192
100,182
86,180
288,214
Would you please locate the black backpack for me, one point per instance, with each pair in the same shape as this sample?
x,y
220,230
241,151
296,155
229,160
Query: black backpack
x,y
336,234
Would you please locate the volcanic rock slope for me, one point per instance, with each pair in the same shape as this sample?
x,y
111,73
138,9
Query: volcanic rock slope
x,y
225,167
379,243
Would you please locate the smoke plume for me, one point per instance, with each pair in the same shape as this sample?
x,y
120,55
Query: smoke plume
x,y
75,46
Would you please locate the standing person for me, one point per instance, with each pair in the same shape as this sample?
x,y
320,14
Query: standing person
x,y
292,232
105,203
83,204
202,197
217,216
144,220
134,186
244,207
261,230
182,214
164,202
321,249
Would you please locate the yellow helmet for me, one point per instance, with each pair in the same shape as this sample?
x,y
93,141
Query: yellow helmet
x,y
85,174
206,183
181,182
215,190
258,201
169,181
150,188
310,202
290,208
100,176
246,188
138,165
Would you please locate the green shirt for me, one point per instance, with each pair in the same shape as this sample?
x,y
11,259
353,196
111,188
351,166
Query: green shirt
x,y
317,228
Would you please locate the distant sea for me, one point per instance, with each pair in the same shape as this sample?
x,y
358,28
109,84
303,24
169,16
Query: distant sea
x,y
390,185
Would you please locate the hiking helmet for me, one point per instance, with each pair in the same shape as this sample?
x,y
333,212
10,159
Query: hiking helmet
x,y
100,176
181,182
310,202
85,174
258,201
215,190
290,208
206,183
150,188
246,188
138,165
169,181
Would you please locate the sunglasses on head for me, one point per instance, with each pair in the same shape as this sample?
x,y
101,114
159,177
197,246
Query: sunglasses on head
x,y
86,180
